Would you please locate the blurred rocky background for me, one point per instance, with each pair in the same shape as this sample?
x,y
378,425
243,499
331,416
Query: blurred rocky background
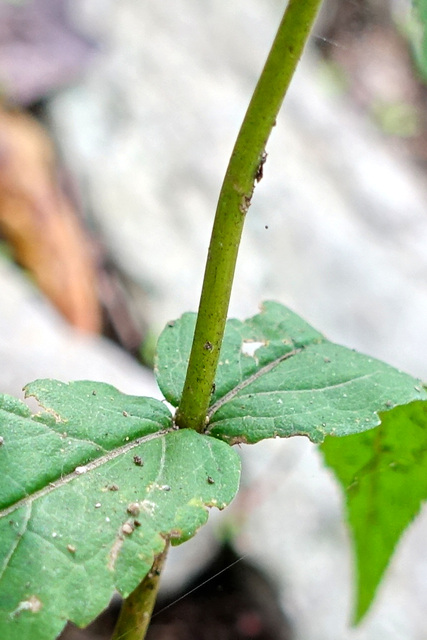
x,y
117,120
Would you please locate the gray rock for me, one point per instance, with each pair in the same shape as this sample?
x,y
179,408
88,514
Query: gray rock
x,y
149,132
35,342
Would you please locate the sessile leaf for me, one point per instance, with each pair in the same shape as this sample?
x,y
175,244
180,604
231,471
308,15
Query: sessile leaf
x,y
91,489
277,376
384,475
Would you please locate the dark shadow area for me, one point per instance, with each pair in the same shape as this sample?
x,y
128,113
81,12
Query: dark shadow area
x,y
230,600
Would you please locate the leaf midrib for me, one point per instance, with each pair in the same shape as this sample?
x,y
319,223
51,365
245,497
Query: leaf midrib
x,y
90,466
15,544
264,370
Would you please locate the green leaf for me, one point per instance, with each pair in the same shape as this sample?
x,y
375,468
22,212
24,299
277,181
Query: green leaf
x,y
90,491
278,376
418,35
384,474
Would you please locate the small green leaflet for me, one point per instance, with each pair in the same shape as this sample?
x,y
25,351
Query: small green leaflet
x,y
90,491
277,376
384,474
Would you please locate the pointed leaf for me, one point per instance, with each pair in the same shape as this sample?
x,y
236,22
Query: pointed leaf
x,y
278,376
90,491
384,474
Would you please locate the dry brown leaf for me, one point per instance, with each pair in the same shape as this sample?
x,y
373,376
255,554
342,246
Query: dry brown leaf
x,y
38,220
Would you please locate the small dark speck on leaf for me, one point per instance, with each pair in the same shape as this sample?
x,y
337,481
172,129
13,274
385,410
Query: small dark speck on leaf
x,y
138,461
32,604
136,523
133,509
1,440
113,487
127,528
213,390
211,480
208,346
171,323
166,487
326,360
94,393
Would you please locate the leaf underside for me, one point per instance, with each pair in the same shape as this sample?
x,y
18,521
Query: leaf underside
x,y
90,491
277,376
92,487
384,474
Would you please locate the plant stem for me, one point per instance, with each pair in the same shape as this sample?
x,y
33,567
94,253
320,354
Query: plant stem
x,y
244,170
135,614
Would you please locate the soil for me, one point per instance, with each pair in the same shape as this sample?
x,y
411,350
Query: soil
x,y
230,600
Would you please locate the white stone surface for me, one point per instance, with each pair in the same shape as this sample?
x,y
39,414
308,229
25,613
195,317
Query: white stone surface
x,y
294,528
35,342
149,132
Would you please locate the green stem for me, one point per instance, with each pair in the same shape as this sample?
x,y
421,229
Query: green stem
x,y
135,614
244,170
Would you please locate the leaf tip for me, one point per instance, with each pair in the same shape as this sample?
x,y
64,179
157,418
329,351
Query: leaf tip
x,y
361,609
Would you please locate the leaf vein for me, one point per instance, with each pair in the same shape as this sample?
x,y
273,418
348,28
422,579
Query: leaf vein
x,y
90,466
15,546
233,392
